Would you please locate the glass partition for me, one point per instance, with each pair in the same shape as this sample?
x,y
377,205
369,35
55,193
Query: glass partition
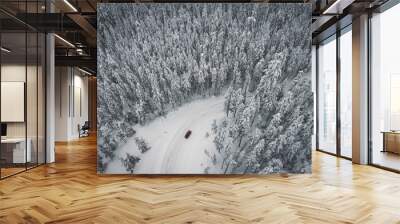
x,y
13,94
22,101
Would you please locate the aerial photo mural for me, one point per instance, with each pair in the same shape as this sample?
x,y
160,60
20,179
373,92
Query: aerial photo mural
x,y
204,88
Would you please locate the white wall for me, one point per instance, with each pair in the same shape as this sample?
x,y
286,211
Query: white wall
x,y
17,73
12,101
80,105
61,103
13,72
70,83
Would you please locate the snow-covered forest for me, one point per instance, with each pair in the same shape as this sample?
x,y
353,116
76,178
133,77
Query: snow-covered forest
x,y
155,58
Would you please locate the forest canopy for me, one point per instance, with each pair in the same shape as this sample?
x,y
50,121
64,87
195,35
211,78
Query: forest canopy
x,y
153,58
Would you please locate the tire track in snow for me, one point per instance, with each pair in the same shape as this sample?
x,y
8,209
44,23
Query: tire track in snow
x,y
174,147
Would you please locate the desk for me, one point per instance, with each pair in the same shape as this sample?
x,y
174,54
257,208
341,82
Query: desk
x,y
13,150
391,141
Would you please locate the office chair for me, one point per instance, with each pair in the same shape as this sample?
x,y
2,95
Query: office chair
x,y
84,130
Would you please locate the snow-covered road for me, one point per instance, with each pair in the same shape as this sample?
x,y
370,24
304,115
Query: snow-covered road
x,y
170,152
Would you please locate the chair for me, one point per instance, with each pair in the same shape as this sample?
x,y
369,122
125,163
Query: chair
x,y
84,130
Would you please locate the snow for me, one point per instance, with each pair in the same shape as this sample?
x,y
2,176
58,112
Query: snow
x,y
258,52
170,152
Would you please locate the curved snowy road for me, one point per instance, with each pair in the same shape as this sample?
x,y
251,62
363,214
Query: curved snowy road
x,y
188,155
170,152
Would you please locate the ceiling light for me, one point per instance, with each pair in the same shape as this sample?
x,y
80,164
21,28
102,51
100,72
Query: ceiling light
x,y
79,51
84,71
65,41
70,5
5,50
338,6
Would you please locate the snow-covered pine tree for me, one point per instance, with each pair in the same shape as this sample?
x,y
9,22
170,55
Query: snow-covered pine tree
x,y
129,162
158,57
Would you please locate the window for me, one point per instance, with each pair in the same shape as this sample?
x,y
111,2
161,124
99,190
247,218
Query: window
x,y
385,89
346,93
314,90
327,95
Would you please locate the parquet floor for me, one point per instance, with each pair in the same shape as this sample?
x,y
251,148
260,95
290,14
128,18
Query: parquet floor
x,y
70,191
10,171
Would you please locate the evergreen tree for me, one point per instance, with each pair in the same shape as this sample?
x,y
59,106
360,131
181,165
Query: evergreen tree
x,y
153,58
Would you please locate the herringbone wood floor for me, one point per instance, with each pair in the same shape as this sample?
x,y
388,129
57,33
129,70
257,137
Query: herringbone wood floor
x,y
70,191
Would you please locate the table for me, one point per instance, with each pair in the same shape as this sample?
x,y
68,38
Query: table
x,y
13,150
391,141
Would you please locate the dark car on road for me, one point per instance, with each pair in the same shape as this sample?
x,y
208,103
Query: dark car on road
x,y
188,133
